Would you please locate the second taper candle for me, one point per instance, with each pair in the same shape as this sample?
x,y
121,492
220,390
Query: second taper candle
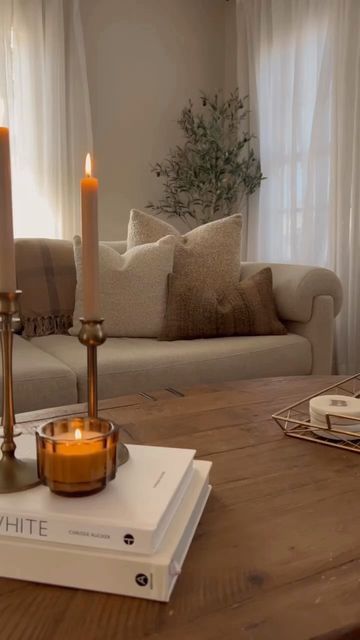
x,y
90,244
7,248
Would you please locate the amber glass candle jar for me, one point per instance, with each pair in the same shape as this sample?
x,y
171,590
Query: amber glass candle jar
x,y
77,456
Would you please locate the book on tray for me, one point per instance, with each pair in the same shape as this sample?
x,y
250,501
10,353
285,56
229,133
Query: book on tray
x,y
130,539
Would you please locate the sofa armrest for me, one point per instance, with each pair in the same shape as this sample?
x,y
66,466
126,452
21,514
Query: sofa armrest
x,y
296,287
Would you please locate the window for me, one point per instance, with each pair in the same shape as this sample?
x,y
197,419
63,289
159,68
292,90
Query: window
x,y
292,63
44,93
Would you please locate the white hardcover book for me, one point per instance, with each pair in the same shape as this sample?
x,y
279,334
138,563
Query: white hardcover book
x,y
132,514
151,577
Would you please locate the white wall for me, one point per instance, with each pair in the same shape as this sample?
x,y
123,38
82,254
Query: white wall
x,y
237,74
145,59
230,45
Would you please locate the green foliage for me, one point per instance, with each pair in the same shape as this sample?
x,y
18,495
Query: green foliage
x,y
210,175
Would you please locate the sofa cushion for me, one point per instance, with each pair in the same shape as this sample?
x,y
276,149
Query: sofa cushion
x,y
208,255
243,309
129,365
45,272
133,287
40,380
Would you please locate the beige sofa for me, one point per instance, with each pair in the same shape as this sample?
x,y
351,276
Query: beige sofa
x,y
51,370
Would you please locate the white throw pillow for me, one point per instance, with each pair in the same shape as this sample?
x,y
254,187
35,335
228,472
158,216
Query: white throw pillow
x,y
133,288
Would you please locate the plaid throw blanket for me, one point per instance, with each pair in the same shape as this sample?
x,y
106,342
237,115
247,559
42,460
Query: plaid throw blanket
x,y
47,277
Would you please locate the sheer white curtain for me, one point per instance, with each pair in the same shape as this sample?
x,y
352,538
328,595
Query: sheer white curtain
x,y
304,77
45,102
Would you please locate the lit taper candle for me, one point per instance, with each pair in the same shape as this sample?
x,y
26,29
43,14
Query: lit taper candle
x,y
7,248
90,243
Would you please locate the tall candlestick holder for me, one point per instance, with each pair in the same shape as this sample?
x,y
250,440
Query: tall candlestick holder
x,y
15,474
92,336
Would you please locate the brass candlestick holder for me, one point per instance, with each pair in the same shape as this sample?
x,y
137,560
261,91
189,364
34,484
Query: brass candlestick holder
x,y
15,474
92,336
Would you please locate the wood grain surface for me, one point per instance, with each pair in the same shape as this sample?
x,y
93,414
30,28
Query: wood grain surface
x,y
277,552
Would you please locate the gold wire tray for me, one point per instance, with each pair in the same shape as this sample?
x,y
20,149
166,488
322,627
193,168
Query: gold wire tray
x,y
294,420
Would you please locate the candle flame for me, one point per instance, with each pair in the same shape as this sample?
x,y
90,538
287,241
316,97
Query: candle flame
x,y
78,435
88,165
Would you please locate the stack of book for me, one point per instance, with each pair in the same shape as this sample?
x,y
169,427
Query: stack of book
x,y
130,539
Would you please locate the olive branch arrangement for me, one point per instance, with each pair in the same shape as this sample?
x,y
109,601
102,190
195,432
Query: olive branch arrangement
x,y
209,176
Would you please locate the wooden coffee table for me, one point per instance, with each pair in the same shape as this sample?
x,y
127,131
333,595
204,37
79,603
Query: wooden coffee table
x,y
277,552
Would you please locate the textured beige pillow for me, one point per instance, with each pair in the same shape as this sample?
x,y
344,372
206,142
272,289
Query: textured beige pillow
x,y
246,309
133,288
208,255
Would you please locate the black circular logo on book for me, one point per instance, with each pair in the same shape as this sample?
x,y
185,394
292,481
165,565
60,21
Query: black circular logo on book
x,y
129,539
141,579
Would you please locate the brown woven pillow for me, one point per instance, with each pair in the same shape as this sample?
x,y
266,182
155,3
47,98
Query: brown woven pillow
x,y
246,309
